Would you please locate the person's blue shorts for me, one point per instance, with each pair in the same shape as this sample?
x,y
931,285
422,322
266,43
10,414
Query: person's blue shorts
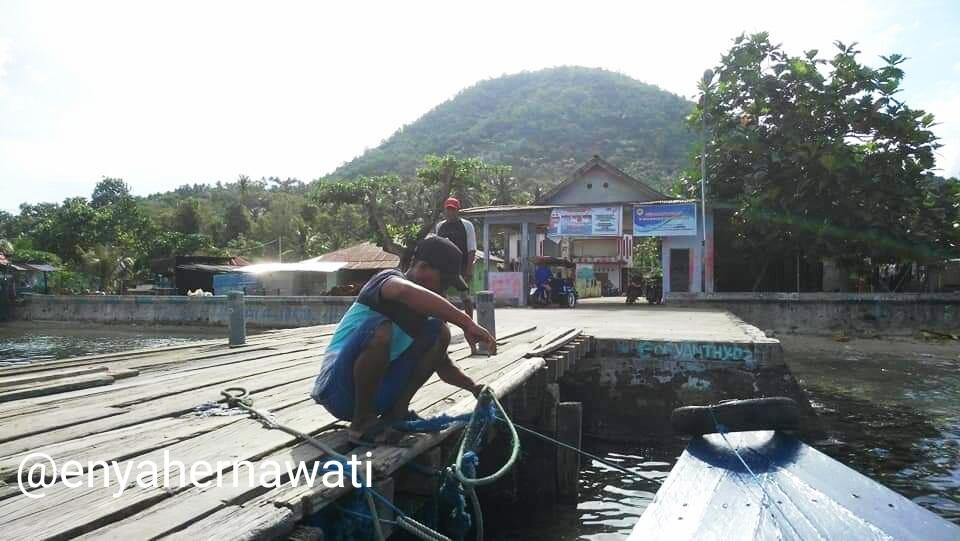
x,y
334,387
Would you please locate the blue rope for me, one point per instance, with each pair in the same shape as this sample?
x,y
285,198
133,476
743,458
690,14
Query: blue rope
x,y
459,521
444,421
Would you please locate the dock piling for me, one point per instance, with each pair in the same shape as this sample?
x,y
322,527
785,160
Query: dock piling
x,y
485,315
569,422
238,319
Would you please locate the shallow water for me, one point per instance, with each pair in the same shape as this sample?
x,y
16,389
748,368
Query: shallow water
x,y
22,342
892,417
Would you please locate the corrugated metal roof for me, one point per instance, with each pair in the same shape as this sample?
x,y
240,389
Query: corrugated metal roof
x,y
369,256
363,256
262,268
42,267
532,208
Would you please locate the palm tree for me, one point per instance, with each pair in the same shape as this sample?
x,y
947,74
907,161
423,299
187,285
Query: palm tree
x,y
107,264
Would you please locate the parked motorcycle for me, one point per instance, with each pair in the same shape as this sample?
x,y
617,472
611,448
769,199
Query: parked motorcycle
x,y
559,293
650,288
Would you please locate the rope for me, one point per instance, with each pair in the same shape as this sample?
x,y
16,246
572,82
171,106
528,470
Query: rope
x,y
584,453
721,429
464,467
238,396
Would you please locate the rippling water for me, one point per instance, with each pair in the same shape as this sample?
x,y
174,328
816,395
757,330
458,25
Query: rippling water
x,y
22,342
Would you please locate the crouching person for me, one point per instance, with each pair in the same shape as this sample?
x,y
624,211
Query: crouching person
x,y
391,340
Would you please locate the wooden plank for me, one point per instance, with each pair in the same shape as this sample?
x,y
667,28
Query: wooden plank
x,y
556,341
31,390
34,431
18,381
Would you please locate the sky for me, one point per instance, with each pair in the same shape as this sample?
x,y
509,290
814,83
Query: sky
x,y
168,93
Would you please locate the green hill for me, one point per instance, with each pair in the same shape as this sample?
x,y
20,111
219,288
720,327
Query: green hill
x,y
544,123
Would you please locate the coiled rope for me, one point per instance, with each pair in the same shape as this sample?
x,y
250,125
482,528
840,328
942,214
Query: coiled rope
x,y
239,397
463,469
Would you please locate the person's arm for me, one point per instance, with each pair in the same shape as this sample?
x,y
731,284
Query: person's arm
x,y
471,248
426,302
448,372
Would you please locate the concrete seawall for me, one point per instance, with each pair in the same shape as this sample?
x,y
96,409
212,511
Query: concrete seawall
x,y
829,313
272,312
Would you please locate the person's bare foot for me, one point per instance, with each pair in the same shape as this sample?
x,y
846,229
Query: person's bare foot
x,y
373,434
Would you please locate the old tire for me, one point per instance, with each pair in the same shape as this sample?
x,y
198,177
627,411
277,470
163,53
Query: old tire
x,y
775,413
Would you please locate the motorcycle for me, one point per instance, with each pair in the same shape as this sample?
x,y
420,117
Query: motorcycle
x,y
559,293
556,291
650,288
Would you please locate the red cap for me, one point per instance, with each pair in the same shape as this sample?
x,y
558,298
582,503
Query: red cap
x,y
452,203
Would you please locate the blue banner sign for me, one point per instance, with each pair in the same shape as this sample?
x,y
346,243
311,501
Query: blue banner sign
x,y
585,222
665,220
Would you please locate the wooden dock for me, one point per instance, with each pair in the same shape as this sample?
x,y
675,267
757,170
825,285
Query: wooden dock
x,y
142,406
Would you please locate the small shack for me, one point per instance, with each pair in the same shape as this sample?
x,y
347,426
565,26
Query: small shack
x,y
179,274
362,261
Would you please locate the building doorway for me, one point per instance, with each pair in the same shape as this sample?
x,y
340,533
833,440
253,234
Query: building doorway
x,y
680,269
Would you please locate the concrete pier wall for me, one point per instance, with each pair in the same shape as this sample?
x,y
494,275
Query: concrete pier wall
x,y
272,312
829,313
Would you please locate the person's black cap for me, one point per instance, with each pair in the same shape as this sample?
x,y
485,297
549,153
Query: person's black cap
x,y
445,257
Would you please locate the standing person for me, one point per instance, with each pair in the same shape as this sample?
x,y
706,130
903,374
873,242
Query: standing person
x,y
391,340
462,234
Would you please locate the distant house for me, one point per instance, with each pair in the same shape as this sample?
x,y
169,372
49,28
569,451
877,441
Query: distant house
x,y
177,275
592,218
30,277
366,259
362,262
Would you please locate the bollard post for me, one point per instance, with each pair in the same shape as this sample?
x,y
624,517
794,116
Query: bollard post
x,y
238,319
569,431
485,315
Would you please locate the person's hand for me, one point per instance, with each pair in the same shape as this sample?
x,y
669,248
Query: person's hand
x,y
475,334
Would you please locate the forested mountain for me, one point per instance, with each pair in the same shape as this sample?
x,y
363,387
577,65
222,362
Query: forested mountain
x,y
544,124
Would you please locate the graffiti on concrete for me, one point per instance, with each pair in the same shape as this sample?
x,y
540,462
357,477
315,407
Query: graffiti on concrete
x,y
687,351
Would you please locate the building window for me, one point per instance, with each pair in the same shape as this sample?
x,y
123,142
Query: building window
x,y
589,185
606,184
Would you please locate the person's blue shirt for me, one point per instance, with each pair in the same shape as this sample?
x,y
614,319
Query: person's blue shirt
x,y
542,275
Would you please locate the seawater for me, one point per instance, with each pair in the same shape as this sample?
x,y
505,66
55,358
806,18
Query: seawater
x,y
23,342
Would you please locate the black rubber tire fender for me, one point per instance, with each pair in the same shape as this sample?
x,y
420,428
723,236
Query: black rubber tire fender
x,y
773,413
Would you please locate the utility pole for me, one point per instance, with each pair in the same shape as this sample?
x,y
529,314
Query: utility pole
x,y
280,250
707,78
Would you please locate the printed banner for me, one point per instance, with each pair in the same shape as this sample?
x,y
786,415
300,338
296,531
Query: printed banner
x,y
665,220
506,285
586,222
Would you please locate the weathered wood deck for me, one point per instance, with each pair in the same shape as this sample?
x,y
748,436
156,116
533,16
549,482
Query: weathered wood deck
x,y
139,406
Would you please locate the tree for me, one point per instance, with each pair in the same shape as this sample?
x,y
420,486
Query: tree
x,y
237,221
108,264
401,213
6,247
187,219
818,157
109,191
